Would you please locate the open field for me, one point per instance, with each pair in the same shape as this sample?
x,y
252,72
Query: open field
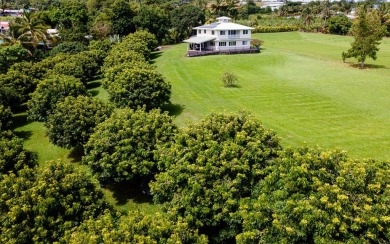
x,y
297,86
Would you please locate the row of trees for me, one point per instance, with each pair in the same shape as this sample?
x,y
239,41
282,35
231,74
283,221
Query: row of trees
x,y
221,180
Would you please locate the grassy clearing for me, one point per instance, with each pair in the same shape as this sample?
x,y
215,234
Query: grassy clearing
x,y
298,86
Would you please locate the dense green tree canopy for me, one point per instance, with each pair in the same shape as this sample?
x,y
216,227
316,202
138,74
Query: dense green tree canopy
x,y
39,206
136,227
367,31
208,168
74,119
13,156
122,16
186,17
123,146
5,117
50,91
339,24
118,57
315,196
10,55
68,47
137,87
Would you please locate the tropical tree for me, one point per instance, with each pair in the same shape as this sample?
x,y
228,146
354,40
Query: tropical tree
x,y
74,120
122,148
31,30
315,196
208,168
367,31
50,91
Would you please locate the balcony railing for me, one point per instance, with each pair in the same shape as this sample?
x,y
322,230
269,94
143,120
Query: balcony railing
x,y
233,36
237,50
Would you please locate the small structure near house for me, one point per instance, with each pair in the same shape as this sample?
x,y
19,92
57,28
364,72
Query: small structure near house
x,y
221,37
4,27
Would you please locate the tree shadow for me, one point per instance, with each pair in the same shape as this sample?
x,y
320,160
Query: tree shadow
x,y
173,109
154,55
124,191
19,120
94,84
94,93
24,134
367,66
76,154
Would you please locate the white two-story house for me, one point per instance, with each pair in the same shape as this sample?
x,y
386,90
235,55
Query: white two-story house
x,y
219,37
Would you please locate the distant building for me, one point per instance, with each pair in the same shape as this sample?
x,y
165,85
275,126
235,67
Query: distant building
x,y
220,37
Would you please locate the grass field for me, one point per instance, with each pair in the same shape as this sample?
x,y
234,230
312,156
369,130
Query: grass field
x,y
298,86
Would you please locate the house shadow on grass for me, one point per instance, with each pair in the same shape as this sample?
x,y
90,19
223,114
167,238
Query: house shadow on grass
x,y
76,154
124,191
173,109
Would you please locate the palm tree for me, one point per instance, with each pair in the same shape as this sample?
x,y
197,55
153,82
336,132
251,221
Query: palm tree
x,y
31,30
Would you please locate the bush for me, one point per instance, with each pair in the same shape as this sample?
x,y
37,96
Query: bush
x,y
229,79
271,29
50,91
5,117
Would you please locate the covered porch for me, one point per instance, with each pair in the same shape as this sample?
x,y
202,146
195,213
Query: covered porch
x,y
200,43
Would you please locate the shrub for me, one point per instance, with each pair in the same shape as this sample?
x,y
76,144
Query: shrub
x,y
229,79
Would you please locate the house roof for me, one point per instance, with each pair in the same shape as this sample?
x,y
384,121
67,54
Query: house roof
x,y
224,26
200,39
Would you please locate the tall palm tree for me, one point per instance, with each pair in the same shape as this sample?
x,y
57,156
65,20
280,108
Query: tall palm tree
x,y
31,30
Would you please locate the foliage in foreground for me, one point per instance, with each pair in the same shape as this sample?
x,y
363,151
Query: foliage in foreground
x,y
40,206
208,168
135,227
123,146
315,196
74,119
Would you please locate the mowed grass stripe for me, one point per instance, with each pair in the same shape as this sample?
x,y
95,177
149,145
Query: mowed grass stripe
x,y
298,86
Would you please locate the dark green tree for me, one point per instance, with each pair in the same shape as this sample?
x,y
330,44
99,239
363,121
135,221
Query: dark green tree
x,y
5,117
10,55
118,57
122,18
367,31
338,24
39,206
154,19
73,120
137,87
51,91
68,47
209,167
122,147
13,156
185,17
316,196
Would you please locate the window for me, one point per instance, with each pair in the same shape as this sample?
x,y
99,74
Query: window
x,y
212,43
212,32
245,32
199,31
222,44
222,33
204,31
232,43
232,32
244,43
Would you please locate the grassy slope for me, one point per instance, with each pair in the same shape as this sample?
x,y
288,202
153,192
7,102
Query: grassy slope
x,y
298,86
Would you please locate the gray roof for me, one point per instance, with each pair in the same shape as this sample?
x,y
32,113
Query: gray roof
x,y
200,39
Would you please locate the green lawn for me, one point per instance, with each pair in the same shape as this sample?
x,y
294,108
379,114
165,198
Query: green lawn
x,y
297,86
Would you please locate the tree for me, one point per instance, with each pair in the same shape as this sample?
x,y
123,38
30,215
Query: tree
x,y
10,55
315,196
74,120
13,156
184,18
122,147
206,170
31,30
118,57
367,31
137,87
121,18
39,206
68,47
154,19
5,117
339,24
136,227
49,92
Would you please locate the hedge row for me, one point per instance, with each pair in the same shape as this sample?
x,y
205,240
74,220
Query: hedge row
x,y
269,29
